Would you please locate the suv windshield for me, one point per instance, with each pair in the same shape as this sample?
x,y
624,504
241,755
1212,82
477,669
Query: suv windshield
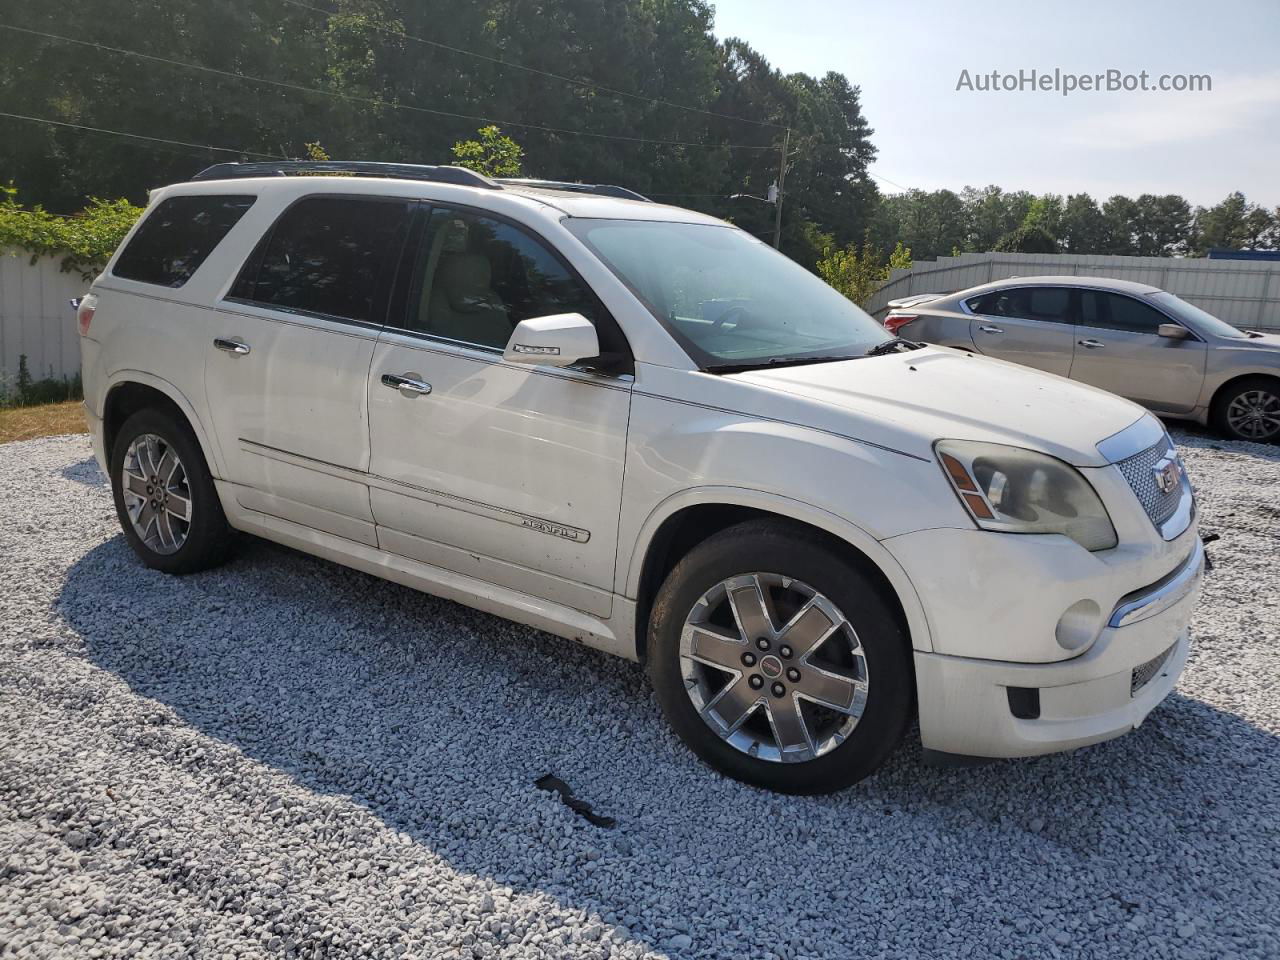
x,y
1205,322
730,300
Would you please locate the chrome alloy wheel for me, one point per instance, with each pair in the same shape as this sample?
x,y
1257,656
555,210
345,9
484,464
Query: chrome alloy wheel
x,y
157,494
773,667
1255,414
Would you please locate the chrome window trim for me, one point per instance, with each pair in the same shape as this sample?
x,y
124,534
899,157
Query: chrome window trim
x,y
1163,594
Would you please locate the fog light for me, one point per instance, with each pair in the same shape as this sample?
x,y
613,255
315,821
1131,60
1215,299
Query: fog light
x,y
1079,626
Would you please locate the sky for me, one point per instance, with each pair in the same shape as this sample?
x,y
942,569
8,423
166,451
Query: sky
x,y
908,59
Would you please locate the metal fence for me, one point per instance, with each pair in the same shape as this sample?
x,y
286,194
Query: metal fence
x,y
36,321
1245,293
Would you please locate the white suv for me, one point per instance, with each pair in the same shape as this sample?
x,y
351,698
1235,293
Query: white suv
x,y
642,429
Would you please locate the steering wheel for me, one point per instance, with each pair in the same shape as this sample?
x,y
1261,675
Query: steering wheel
x,y
736,313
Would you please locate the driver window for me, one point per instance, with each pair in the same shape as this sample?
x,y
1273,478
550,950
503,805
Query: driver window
x,y
477,277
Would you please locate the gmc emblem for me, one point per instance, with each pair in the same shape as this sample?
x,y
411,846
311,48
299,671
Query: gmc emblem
x,y
1167,473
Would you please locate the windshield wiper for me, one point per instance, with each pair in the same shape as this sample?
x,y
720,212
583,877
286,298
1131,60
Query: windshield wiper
x,y
776,362
892,346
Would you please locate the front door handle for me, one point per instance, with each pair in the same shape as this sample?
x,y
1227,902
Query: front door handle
x,y
990,329
235,347
1091,344
409,384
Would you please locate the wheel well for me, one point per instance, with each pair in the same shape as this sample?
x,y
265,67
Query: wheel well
x,y
1222,390
124,401
687,528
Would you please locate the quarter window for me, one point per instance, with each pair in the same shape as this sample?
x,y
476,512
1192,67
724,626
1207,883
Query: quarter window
x,y
333,256
476,277
177,236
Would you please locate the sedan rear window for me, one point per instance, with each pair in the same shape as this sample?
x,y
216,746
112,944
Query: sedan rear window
x,y
177,236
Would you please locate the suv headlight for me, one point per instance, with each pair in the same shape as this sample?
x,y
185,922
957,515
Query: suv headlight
x,y
1020,491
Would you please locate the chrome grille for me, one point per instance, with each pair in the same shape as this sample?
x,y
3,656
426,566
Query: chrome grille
x,y
1143,673
1139,473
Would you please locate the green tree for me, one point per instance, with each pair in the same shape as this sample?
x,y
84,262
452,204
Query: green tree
x,y
859,273
1082,228
1161,225
1027,240
1045,212
494,154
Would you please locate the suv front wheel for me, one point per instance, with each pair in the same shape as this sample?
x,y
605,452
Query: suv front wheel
x,y
777,661
164,495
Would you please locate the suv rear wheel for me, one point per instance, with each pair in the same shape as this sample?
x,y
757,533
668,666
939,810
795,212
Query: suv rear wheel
x,y
777,661
164,494
1249,410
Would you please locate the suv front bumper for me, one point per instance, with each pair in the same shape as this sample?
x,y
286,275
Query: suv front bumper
x,y
966,709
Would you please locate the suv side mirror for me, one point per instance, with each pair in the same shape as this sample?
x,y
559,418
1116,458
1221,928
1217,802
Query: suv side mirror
x,y
1173,331
556,341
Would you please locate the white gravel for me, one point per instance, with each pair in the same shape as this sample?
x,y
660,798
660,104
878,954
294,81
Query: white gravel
x,y
287,758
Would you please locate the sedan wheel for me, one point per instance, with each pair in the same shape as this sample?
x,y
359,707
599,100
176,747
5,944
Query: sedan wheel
x,y
1254,414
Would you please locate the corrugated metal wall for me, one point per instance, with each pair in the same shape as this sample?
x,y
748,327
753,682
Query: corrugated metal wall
x,y
1245,293
35,317
36,320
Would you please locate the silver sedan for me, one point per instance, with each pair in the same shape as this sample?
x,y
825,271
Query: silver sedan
x,y
1135,340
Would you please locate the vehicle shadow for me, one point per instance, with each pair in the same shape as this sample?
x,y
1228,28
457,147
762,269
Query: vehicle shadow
x,y
438,719
85,471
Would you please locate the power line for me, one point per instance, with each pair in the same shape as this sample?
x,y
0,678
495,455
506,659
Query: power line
x,y
369,101
138,136
888,181
544,73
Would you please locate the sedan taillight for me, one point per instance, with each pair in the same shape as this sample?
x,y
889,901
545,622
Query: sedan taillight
x,y
896,321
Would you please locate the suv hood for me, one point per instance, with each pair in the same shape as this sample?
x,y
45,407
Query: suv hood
x,y
906,401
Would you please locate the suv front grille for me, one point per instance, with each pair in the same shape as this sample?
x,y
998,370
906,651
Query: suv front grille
x,y
1139,473
1143,673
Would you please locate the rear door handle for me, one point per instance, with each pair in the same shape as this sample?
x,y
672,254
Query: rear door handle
x,y
409,384
237,347
1091,344
989,329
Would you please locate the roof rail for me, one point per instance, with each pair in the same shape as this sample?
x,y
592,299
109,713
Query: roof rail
x,y
599,189
360,168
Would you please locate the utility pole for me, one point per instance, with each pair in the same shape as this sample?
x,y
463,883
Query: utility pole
x,y
782,179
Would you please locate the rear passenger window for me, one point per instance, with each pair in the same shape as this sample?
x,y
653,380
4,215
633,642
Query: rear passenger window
x,y
328,255
1049,304
177,236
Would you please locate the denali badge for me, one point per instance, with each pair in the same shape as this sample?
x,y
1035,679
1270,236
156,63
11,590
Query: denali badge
x,y
1167,472
540,351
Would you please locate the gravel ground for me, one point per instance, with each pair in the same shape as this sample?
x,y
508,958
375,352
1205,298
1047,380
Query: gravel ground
x,y
287,758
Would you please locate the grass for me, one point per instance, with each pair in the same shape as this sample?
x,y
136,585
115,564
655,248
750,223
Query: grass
x,y
44,420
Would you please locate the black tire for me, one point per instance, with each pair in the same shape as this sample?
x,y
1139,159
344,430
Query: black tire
x,y
790,550
208,538
1220,416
